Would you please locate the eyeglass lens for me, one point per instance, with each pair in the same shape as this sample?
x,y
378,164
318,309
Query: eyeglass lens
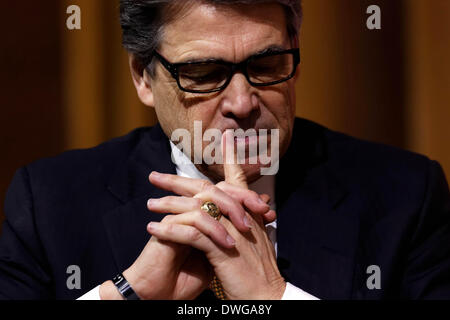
x,y
209,75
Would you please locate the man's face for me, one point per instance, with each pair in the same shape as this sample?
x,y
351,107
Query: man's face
x,y
229,34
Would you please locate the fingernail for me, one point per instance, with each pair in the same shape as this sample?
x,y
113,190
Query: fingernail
x,y
231,241
247,223
155,174
153,226
152,202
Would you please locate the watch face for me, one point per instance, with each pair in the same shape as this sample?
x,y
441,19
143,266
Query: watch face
x,y
118,278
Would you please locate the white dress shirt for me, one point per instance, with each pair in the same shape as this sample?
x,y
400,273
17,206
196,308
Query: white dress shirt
x,y
266,184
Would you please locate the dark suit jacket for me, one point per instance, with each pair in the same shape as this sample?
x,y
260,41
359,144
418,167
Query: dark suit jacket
x,y
343,205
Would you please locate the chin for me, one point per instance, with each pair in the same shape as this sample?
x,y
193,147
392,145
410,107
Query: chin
x,y
252,172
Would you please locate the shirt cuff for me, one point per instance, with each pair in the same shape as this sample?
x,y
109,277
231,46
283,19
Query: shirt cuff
x,y
290,293
293,293
94,294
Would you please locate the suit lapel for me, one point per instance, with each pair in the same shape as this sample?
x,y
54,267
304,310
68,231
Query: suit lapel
x,y
126,223
316,241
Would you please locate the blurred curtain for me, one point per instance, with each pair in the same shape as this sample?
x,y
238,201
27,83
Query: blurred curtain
x,y
389,85
31,123
428,79
100,101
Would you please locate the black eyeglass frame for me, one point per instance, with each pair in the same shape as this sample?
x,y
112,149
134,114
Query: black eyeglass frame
x,y
233,67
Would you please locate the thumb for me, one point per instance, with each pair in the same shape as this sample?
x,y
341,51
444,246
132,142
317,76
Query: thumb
x,y
232,170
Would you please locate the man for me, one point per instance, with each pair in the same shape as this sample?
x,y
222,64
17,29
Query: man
x,y
343,206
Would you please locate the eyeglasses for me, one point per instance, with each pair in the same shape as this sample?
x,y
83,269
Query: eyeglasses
x,y
264,69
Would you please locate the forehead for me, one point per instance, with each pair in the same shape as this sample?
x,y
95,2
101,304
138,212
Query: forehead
x,y
226,32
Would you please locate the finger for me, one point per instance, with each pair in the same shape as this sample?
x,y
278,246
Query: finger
x,y
205,190
205,224
265,197
183,186
174,204
177,205
250,199
228,206
269,217
232,170
181,234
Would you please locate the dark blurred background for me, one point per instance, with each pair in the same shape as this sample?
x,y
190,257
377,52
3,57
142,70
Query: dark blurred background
x,y
63,89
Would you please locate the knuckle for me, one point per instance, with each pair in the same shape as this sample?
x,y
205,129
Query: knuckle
x,y
218,228
199,215
234,203
167,219
239,211
222,185
211,189
170,228
205,185
253,194
164,201
194,235
198,202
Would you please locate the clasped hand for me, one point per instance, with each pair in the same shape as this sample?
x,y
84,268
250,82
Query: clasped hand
x,y
189,246
238,249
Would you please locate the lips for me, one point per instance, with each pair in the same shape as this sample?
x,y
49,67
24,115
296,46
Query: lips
x,y
251,138
247,139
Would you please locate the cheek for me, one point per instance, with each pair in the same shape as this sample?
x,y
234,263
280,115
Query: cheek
x,y
181,110
280,103
200,109
168,108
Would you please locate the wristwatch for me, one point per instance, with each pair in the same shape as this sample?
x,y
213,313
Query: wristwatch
x,y
124,287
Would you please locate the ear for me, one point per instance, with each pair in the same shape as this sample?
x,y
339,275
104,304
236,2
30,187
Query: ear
x,y
141,80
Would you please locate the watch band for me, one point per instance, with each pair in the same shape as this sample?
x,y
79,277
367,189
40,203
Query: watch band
x,y
124,287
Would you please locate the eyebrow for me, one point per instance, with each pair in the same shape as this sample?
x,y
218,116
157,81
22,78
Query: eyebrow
x,y
269,49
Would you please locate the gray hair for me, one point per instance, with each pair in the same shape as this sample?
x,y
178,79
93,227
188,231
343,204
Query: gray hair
x,y
142,22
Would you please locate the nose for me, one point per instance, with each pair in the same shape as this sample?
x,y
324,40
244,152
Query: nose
x,y
239,98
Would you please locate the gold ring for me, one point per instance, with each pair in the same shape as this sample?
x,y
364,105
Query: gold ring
x,y
211,209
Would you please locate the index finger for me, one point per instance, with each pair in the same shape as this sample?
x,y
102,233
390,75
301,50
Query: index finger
x,y
232,170
182,186
204,190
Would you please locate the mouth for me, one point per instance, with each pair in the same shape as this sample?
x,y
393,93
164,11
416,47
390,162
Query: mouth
x,y
247,140
252,137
